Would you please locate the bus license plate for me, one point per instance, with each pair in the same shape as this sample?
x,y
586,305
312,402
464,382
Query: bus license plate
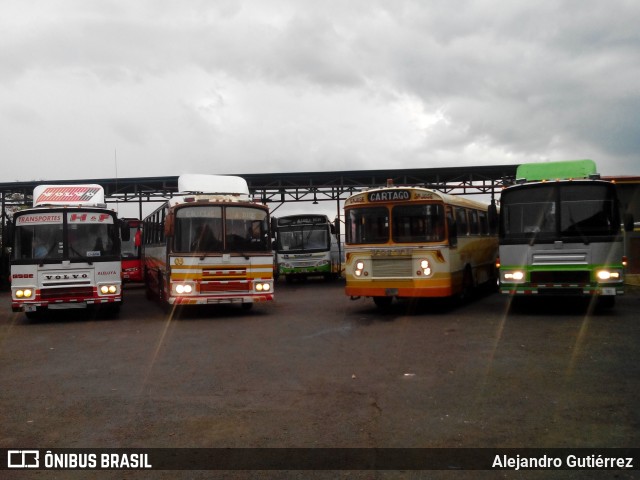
x,y
391,292
608,291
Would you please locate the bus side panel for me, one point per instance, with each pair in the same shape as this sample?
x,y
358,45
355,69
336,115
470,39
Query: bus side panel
x,y
478,254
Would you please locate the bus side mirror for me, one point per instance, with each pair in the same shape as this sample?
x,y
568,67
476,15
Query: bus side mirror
x,y
493,217
336,227
274,225
629,223
7,240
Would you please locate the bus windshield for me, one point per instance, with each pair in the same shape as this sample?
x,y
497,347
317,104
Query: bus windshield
x,y
91,240
410,224
80,237
571,211
303,238
418,223
211,229
38,242
367,225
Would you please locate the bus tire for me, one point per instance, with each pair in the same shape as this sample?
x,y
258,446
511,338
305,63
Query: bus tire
x,y
467,285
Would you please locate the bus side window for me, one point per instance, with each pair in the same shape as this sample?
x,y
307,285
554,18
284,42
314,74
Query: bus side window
x,y
474,226
484,223
452,228
461,221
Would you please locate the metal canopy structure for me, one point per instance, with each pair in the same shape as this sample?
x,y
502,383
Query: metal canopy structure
x,y
292,187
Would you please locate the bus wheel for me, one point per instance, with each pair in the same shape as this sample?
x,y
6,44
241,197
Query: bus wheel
x,y
382,302
467,286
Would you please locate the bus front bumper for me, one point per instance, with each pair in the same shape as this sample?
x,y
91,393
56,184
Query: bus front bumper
x,y
214,300
563,290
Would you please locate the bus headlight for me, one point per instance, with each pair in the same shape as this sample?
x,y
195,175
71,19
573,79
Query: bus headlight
x,y
359,268
513,276
425,268
262,287
608,275
24,293
108,289
183,288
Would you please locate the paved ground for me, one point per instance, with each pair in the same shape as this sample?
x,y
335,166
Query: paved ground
x,y
315,369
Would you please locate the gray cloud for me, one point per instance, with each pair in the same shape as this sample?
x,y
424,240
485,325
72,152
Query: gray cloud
x,y
302,85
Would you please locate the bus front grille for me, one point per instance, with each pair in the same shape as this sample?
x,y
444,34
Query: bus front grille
x,y
66,293
576,277
395,267
216,287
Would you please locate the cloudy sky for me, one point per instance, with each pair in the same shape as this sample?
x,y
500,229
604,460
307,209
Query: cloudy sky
x,y
99,88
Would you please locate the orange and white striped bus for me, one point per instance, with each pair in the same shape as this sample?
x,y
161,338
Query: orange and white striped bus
x,y
209,244
416,242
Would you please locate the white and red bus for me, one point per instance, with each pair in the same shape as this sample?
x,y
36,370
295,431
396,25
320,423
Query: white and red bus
x,y
131,247
66,251
209,244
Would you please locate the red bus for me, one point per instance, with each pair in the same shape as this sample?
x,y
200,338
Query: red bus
x,y
131,242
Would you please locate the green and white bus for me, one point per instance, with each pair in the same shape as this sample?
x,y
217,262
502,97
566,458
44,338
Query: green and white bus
x,y
560,233
306,245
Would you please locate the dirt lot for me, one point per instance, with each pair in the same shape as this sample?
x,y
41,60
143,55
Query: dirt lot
x,y
315,369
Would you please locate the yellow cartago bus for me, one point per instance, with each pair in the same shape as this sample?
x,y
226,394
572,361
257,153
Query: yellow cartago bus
x,y
416,242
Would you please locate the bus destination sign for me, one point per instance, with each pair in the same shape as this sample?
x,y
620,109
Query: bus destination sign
x,y
395,195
